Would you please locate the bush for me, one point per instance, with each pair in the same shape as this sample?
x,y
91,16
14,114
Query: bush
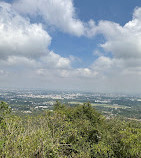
x,y
76,132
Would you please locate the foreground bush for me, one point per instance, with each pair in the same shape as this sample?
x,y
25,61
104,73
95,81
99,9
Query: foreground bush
x,y
75,132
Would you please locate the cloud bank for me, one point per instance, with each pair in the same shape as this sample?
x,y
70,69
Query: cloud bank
x,y
25,57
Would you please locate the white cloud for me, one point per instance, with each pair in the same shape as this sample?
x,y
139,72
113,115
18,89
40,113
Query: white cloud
x,y
23,43
21,61
19,37
123,42
97,53
91,29
60,13
102,63
24,50
77,73
53,60
26,60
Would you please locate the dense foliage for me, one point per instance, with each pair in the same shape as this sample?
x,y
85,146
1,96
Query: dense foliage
x,y
75,132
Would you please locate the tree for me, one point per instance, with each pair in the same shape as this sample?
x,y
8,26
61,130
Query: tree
x,y
4,109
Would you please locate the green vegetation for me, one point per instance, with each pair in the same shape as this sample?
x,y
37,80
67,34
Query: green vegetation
x,y
67,132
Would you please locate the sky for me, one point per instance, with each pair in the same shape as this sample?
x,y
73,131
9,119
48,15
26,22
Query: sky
x,y
88,45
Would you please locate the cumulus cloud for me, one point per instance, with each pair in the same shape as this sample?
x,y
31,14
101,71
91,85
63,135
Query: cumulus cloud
x,y
20,37
21,61
24,46
60,13
24,43
121,71
24,51
53,60
124,43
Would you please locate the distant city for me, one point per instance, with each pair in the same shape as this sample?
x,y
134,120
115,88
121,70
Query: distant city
x,y
111,105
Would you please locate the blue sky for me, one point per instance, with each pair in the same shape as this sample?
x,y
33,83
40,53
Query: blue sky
x,y
113,10
92,45
118,11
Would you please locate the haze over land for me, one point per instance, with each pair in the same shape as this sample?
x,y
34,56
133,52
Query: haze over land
x,y
71,44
